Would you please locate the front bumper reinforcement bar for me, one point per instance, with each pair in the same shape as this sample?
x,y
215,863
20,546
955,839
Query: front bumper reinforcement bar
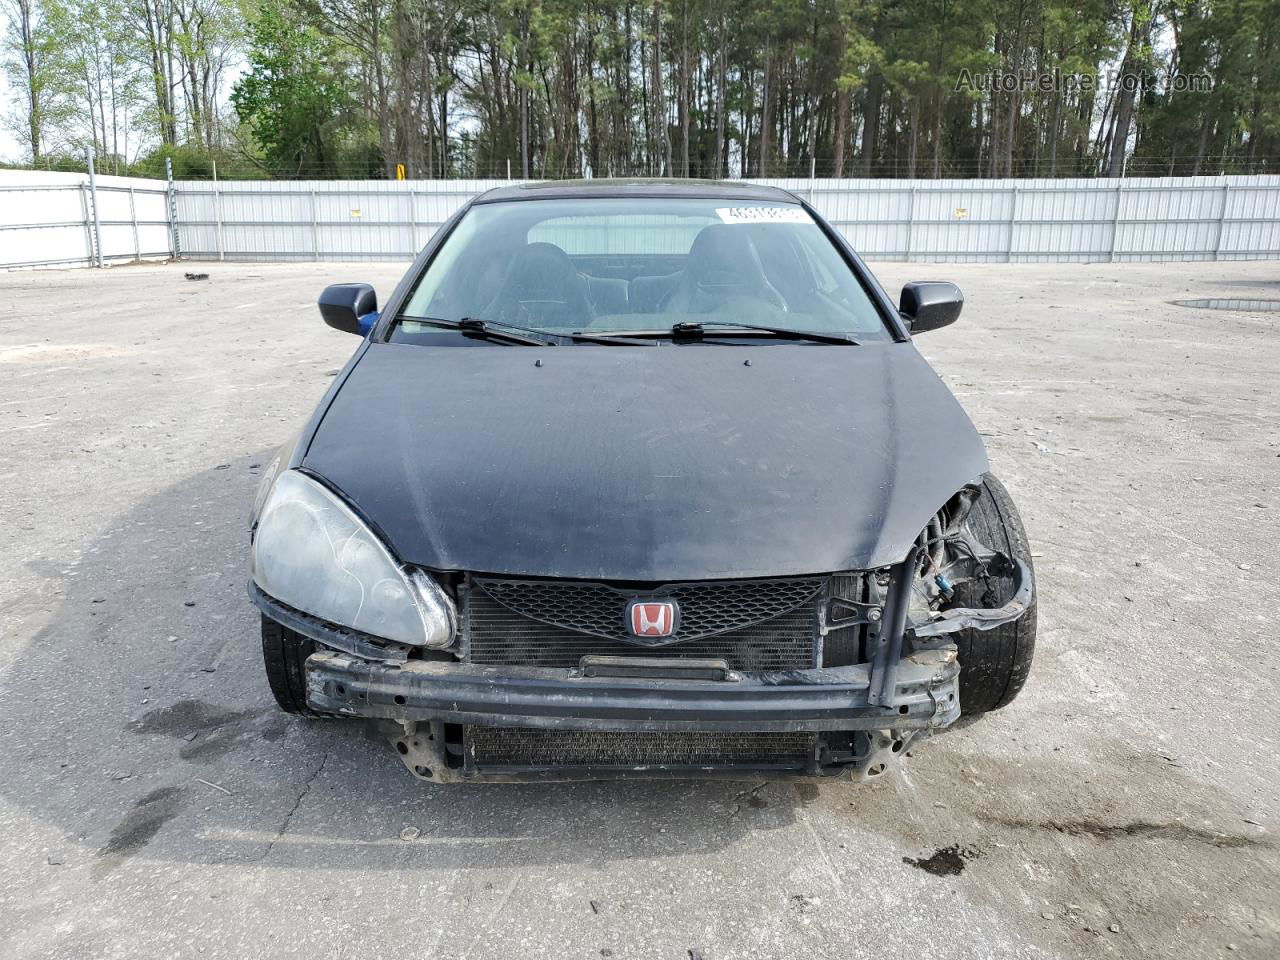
x,y
925,696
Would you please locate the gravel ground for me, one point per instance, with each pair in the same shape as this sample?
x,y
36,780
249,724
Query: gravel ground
x,y
155,804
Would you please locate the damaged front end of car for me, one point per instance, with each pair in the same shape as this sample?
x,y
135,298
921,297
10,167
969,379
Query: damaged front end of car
x,y
826,676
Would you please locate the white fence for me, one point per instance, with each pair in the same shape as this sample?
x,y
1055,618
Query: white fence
x,y
1186,218
1157,218
47,219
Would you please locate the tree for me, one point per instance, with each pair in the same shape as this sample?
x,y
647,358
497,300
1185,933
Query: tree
x,y
205,40
98,83
674,87
293,94
27,52
1133,71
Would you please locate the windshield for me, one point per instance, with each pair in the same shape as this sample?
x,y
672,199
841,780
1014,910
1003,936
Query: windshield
x,y
640,264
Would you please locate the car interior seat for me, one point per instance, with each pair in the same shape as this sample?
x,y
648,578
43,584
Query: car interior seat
x,y
609,296
722,264
542,288
648,293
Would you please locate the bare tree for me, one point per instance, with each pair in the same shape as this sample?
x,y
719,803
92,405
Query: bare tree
x,y
25,49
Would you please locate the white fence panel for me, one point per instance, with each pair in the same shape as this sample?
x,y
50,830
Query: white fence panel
x,y
929,220
43,225
315,219
47,218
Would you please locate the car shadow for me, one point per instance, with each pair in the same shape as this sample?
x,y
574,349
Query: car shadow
x,y
146,729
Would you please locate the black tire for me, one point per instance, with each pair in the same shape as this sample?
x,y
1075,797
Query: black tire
x,y
284,654
994,663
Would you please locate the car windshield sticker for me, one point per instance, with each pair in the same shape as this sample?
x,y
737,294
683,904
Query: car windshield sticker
x,y
762,215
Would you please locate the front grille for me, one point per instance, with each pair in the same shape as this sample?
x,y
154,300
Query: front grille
x,y
532,747
533,623
707,608
495,634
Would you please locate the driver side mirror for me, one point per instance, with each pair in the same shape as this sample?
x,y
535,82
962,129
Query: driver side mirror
x,y
349,307
930,304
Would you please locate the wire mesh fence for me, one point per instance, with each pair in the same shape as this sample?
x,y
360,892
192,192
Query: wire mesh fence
x,y
230,166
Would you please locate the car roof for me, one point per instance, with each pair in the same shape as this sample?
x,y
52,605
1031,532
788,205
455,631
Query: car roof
x,y
637,187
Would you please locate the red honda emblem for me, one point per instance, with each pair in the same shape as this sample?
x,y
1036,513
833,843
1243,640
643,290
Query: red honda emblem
x,y
652,618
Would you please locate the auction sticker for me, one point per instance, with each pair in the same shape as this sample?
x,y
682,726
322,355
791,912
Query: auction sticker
x,y
762,215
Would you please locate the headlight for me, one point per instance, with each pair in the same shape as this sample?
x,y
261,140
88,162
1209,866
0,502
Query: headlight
x,y
265,484
312,553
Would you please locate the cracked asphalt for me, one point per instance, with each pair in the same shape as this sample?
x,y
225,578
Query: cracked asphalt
x,y
155,804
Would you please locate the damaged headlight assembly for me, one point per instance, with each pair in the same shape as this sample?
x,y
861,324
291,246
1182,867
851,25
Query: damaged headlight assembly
x,y
311,552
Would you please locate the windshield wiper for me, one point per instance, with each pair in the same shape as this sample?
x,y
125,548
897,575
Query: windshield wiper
x,y
549,337
695,328
501,330
623,341
494,331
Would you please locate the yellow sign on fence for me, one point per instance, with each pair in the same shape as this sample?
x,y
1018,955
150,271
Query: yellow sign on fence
x,y
399,171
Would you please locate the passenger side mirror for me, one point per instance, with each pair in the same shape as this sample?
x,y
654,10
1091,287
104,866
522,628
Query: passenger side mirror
x,y
349,307
930,304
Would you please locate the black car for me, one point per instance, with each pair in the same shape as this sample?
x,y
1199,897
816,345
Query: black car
x,y
732,524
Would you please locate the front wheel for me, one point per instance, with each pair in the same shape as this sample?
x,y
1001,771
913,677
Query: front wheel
x,y
994,663
284,654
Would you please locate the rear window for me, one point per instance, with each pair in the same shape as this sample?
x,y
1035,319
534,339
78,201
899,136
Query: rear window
x,y
597,234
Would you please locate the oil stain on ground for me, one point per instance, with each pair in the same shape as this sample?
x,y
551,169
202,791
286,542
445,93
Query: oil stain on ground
x,y
139,826
187,716
210,731
1133,829
945,861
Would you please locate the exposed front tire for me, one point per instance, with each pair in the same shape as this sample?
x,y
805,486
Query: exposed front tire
x,y
994,663
284,654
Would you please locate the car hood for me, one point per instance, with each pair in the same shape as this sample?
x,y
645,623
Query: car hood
x,y
654,464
